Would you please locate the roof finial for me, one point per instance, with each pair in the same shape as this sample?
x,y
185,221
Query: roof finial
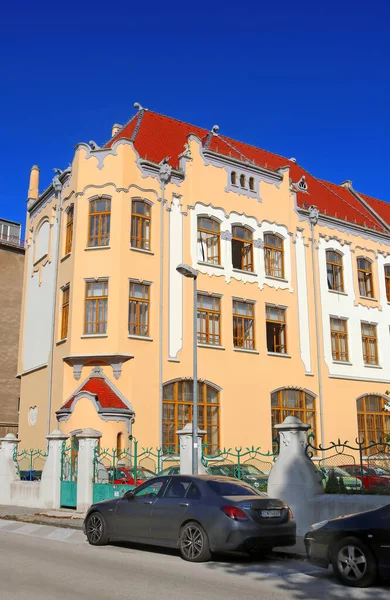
x,y
215,129
139,106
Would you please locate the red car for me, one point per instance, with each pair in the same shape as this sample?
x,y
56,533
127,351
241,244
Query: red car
x,y
373,477
125,476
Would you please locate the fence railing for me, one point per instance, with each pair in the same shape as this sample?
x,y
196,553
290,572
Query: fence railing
x,y
30,464
359,468
248,464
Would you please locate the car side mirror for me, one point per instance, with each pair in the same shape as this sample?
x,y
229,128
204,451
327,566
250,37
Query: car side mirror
x,y
130,495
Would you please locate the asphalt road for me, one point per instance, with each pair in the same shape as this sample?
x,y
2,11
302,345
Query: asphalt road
x,y
37,568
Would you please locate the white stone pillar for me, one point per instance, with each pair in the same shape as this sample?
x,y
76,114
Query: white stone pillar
x,y
185,450
88,440
8,467
294,478
51,474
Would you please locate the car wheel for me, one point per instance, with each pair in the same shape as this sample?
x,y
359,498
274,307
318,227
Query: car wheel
x,y
96,529
354,563
193,543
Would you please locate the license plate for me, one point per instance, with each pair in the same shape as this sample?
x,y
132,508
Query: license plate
x,y
270,513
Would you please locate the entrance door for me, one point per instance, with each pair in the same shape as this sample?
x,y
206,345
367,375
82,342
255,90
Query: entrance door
x,y
169,510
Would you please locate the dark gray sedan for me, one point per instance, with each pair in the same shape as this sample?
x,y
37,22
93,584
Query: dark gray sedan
x,y
199,515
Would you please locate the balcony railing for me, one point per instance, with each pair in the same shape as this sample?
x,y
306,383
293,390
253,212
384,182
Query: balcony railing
x,y
13,240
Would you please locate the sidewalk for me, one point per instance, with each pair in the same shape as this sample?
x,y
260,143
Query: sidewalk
x,y
59,518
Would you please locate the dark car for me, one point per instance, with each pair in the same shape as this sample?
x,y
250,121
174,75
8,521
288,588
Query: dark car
x,y
246,472
199,515
357,546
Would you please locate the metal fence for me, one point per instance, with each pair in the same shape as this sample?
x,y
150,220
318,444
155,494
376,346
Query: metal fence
x,y
30,464
359,468
248,464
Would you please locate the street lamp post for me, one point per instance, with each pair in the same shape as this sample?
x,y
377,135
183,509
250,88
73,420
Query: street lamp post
x,y
191,273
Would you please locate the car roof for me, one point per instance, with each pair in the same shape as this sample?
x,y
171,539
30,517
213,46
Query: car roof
x,y
209,478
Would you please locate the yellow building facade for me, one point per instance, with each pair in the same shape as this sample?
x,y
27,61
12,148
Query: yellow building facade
x,y
293,283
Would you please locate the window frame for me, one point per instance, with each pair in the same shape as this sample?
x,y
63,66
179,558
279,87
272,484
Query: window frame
x,y
176,401
65,311
100,217
281,324
367,275
91,299
237,317
138,302
269,249
362,422
69,229
209,312
245,243
283,411
387,281
334,266
233,178
366,340
337,335
210,233
141,220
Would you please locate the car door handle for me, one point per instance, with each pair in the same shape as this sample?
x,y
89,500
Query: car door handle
x,y
148,501
184,504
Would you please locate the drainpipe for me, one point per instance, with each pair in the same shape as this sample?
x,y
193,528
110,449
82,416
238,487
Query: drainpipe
x,y
313,219
164,177
57,185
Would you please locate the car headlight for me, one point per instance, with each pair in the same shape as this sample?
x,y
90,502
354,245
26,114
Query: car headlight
x,y
316,526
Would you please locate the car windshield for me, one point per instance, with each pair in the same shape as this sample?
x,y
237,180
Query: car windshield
x,y
251,470
336,470
145,474
227,488
379,471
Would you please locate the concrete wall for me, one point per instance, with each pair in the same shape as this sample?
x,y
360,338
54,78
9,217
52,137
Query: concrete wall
x,y
11,278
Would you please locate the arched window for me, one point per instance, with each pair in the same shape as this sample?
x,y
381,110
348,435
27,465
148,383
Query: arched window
x,y
292,402
233,178
69,230
177,412
364,267
208,240
119,444
387,281
42,240
140,224
252,184
99,222
373,418
242,181
242,248
273,255
334,270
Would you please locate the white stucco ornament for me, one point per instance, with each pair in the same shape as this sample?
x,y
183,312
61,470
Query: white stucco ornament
x,y
33,415
387,406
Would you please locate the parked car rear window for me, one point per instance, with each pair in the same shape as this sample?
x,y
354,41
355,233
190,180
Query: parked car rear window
x,y
225,488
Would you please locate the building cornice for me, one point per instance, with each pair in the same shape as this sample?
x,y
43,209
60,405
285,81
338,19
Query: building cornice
x,y
347,226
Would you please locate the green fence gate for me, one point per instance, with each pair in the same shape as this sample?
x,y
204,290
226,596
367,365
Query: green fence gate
x,y
69,460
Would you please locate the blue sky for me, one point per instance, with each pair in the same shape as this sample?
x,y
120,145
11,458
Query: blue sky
x,y
303,79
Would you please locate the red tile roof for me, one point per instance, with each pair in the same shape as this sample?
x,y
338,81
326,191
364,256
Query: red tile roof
x,y
381,208
159,136
105,396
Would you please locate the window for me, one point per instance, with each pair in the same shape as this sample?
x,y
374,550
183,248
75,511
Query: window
x,y
42,241
243,325
276,329
177,488
369,341
365,278
140,224
96,303
228,488
242,248
177,412
233,178
273,255
387,281
151,490
65,313
99,222
334,269
208,240
373,419
69,230
209,315
139,300
339,335
252,184
242,180
292,402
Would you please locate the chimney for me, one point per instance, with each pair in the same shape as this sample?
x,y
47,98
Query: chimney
x,y
347,184
115,128
34,183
